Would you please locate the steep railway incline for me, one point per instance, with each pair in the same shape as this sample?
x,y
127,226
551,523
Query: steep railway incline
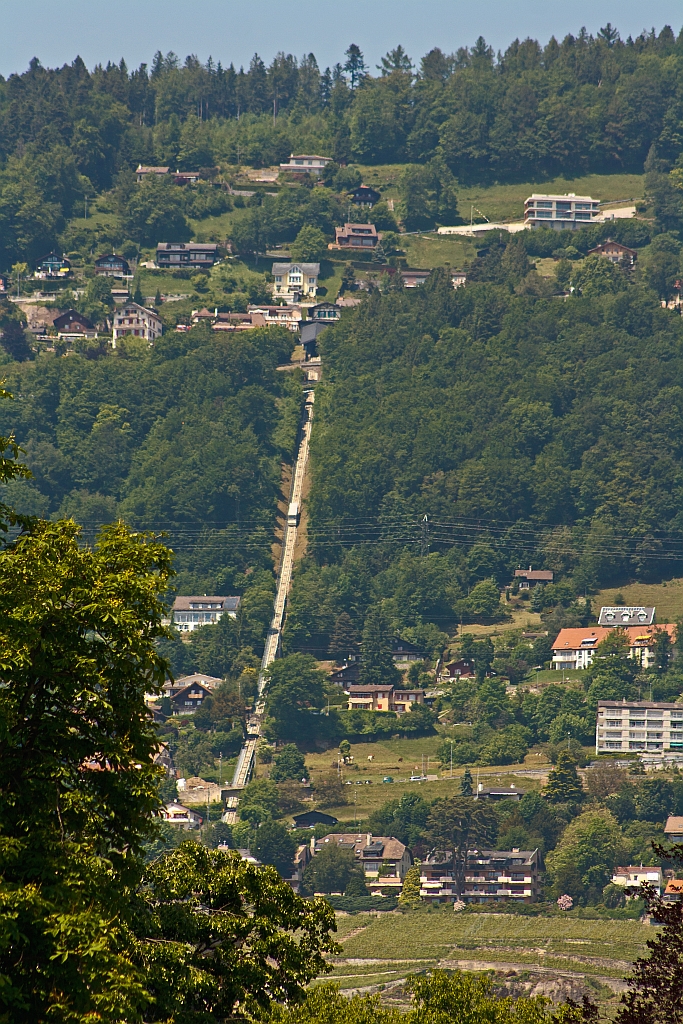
x,y
245,762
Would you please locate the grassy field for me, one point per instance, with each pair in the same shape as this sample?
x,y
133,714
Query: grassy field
x,y
667,598
429,251
383,949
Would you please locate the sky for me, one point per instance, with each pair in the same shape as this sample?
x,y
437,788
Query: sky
x,y
233,30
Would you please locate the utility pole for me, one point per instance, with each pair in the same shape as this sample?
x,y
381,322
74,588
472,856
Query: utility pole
x,y
451,758
220,769
424,539
85,197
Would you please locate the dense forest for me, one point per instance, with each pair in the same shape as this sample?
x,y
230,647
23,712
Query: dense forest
x,y
584,104
187,438
461,434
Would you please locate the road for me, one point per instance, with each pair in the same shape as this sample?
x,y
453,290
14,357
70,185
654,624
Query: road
x,y
245,762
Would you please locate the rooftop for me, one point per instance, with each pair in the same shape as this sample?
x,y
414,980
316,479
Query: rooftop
x,y
563,198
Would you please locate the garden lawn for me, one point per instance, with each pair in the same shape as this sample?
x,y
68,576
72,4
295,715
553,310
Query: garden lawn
x,y
667,598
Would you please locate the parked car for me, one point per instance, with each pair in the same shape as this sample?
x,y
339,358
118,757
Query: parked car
x,y
387,778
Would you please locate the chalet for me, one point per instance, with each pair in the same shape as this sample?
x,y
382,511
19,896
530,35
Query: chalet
x,y
405,650
615,252
176,814
364,196
112,265
305,162
530,578
574,648
383,860
53,265
413,278
325,311
491,876
136,320
460,669
142,172
177,255
74,323
347,674
189,613
295,281
355,236
186,699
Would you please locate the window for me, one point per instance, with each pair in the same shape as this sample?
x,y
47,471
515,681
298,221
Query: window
x,y
613,745
544,204
544,213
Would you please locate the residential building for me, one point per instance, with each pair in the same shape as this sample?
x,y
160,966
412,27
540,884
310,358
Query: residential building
x,y
186,698
413,278
384,860
186,177
176,814
355,236
491,876
383,698
4,284
302,858
460,669
309,819
674,891
619,615
310,329
295,281
348,674
638,725
289,316
142,172
633,875
137,320
53,265
574,648
405,650
187,254
306,162
325,311
673,830
615,252
73,323
112,265
560,212
238,322
190,613
458,278
365,197
530,578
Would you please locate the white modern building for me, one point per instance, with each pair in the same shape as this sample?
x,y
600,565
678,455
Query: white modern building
x,y
295,281
645,726
305,162
560,212
136,320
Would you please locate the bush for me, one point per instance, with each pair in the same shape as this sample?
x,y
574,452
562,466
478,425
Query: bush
x,y
289,764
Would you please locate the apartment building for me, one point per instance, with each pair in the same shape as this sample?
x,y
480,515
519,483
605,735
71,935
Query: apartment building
x,y
384,860
383,698
136,320
567,212
574,648
186,255
189,613
491,876
638,726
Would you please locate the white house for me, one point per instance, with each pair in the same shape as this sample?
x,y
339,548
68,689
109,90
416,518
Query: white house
x,y
190,613
138,321
634,875
304,162
295,281
176,814
567,212
575,647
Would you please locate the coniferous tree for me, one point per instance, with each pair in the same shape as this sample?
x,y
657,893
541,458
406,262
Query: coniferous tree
x,y
377,667
564,785
410,893
466,783
345,637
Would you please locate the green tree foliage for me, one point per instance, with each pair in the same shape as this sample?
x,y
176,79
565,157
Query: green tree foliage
x,y
273,844
259,801
76,763
466,783
296,689
152,211
289,764
404,819
590,848
428,196
309,245
410,891
266,942
330,870
457,824
564,784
